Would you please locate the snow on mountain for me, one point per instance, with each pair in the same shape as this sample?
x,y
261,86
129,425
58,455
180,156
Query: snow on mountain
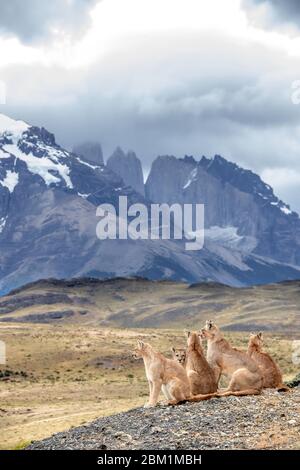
x,y
48,200
10,181
26,149
233,197
10,127
49,167
192,177
90,151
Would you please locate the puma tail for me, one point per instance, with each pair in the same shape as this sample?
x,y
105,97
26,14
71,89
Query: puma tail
x,y
240,393
283,388
200,397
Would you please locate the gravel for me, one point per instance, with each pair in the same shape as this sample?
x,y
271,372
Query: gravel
x,y
269,421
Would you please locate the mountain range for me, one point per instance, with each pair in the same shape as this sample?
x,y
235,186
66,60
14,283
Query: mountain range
x,y
48,200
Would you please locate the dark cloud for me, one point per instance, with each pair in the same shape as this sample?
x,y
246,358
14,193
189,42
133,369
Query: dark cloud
x,y
192,94
274,13
36,20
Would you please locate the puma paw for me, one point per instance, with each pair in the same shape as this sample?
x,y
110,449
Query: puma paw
x,y
149,405
163,403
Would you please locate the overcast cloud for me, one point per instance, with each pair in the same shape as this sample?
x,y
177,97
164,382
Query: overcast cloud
x,y
274,13
168,92
37,20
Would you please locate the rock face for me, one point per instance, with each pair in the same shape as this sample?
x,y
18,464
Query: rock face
x,y
240,209
90,151
129,168
243,422
48,201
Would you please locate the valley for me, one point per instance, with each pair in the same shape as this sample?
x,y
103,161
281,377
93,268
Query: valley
x,y
60,376
142,303
69,343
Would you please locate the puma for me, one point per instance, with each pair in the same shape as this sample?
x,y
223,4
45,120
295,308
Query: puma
x,y
166,375
245,376
272,377
179,355
200,374
163,374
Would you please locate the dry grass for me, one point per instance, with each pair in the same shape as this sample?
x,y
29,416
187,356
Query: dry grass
x,y
76,374
141,303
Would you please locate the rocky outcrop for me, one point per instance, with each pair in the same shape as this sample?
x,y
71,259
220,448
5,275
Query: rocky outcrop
x,y
295,382
128,167
48,201
253,422
241,211
90,151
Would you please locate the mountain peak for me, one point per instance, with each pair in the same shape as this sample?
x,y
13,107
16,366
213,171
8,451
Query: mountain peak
x,y
90,151
188,159
128,167
12,127
119,152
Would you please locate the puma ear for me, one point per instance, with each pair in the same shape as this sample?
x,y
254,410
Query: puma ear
x,y
141,344
173,350
187,333
260,335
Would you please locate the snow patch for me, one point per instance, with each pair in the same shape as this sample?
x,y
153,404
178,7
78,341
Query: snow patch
x,y
229,237
192,178
94,167
11,127
228,234
42,166
84,196
4,155
285,210
10,181
2,223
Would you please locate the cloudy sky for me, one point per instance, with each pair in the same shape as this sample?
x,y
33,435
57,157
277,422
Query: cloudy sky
x,y
196,77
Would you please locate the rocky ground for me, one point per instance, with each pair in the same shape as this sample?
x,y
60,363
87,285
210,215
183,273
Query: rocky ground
x,y
268,421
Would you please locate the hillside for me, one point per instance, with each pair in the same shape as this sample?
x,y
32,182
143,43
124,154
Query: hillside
x,y
49,198
59,376
139,303
269,421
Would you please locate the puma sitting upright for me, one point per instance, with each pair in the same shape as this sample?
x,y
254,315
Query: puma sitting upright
x,y
163,374
272,377
245,376
166,375
201,376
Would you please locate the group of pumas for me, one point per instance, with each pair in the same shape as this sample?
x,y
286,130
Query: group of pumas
x,y
192,376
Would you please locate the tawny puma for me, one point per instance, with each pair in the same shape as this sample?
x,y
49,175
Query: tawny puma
x,y
245,376
166,375
272,377
163,374
179,355
200,374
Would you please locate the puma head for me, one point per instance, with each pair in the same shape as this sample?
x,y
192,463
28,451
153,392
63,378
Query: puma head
x,y
193,340
201,334
211,331
141,349
256,339
179,355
